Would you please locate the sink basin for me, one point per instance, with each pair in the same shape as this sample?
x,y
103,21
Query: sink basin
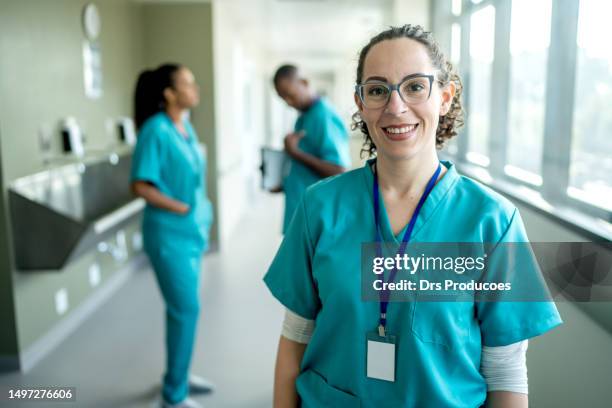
x,y
60,213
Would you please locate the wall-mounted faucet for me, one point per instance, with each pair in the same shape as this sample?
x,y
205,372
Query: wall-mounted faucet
x,y
72,137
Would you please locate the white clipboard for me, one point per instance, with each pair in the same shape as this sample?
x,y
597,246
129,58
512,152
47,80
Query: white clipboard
x,y
274,167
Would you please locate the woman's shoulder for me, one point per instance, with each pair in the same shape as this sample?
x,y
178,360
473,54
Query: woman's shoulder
x,y
329,204
483,195
493,211
155,125
333,188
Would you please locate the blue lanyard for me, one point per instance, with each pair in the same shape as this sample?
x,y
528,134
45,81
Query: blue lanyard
x,y
384,294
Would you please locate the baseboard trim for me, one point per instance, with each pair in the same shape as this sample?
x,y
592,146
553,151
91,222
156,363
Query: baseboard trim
x,y
9,363
56,335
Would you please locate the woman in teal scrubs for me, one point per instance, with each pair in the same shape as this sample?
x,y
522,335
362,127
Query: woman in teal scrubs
x,y
168,171
409,104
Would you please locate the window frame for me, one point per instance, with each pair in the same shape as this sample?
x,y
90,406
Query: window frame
x,y
559,99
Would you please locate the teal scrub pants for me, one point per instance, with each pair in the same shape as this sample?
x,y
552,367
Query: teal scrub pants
x,y
178,275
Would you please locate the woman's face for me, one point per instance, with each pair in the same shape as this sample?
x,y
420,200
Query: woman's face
x,y
402,130
185,93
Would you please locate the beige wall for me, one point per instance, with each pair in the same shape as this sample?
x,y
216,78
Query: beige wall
x,y
41,75
570,366
240,91
182,33
41,82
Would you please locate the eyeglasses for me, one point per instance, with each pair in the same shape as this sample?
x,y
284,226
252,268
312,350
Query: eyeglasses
x,y
413,89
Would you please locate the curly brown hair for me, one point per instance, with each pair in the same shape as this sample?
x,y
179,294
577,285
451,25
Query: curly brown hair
x,y
450,123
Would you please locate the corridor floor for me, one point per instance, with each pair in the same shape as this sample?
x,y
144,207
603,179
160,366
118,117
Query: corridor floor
x,y
115,358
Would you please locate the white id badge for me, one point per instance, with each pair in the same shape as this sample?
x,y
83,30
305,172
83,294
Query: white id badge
x,y
380,357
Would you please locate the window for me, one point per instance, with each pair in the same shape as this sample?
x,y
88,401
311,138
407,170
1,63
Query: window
x,y
456,7
455,44
591,160
452,146
555,150
529,54
482,35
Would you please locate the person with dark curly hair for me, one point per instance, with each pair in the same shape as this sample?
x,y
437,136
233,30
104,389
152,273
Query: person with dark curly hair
x,y
338,350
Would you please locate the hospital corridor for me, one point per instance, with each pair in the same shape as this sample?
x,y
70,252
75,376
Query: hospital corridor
x,y
114,359
305,203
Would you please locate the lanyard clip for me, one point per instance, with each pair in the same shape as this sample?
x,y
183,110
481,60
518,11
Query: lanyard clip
x,y
381,330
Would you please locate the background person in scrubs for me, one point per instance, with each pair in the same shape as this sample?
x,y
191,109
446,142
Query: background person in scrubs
x,y
447,354
319,145
168,171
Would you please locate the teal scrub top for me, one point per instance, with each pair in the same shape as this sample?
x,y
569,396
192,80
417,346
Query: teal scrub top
x,y
176,166
316,274
326,138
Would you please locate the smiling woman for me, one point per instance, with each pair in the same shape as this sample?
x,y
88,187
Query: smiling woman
x,y
414,89
337,348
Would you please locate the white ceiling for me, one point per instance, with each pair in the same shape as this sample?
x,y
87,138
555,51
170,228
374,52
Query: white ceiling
x,y
317,33
321,27
310,27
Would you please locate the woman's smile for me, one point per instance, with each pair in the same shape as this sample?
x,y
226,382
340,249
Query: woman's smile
x,y
401,132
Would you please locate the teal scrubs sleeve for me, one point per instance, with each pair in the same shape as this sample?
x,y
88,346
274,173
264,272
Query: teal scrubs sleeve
x,y
146,164
506,322
334,146
175,165
289,278
326,138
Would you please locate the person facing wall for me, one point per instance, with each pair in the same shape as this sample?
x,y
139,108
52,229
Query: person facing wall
x,y
168,171
318,147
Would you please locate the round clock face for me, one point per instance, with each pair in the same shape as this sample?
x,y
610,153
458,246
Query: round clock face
x,y
91,21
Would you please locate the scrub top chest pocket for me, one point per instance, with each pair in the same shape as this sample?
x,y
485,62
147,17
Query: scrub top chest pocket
x,y
184,167
446,324
317,274
167,159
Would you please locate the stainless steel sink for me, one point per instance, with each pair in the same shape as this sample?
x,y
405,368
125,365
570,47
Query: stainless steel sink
x,y
62,212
